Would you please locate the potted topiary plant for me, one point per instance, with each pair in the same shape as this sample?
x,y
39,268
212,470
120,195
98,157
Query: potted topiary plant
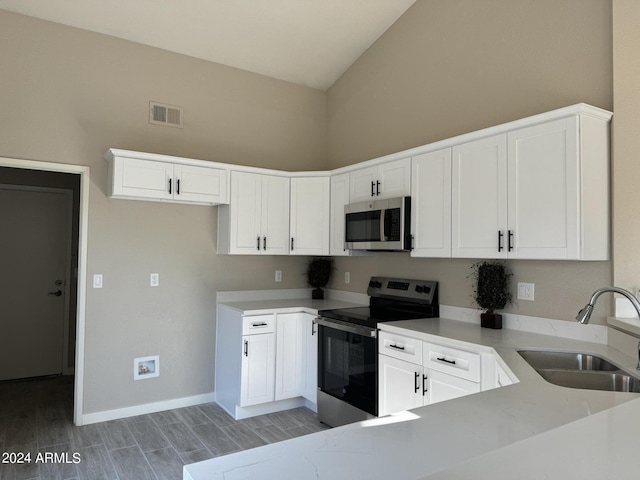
x,y
319,272
491,290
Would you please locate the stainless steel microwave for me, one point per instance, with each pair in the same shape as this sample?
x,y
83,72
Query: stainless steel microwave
x,y
378,225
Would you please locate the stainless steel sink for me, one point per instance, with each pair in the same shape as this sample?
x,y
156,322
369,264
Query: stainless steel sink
x,y
567,361
580,370
609,381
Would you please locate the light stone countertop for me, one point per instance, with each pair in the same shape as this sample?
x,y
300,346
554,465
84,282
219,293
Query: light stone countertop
x,y
487,435
307,305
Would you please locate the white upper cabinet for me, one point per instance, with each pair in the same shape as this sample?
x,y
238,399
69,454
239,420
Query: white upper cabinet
x,y
173,181
257,220
309,227
479,198
536,192
387,180
431,204
339,198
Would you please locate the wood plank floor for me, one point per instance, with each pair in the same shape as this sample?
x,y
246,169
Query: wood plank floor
x,y
36,417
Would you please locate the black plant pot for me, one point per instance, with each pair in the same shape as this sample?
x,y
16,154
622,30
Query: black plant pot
x,y
317,294
491,320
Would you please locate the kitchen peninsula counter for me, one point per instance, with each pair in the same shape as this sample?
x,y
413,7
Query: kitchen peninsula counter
x,y
508,432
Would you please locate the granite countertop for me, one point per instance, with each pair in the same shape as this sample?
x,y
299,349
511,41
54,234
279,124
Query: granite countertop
x,y
487,435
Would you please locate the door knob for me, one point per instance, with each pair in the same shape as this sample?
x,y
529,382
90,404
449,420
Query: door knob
x,y
57,293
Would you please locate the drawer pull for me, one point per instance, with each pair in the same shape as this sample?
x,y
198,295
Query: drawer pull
x,y
392,345
263,324
451,362
246,348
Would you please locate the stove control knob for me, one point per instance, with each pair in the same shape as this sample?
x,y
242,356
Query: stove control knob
x,y
377,284
419,288
426,289
372,284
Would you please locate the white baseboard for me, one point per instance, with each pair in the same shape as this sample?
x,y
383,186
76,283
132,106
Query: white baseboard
x,y
154,407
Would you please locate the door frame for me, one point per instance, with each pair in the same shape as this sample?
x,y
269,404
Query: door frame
x,y
68,194
84,173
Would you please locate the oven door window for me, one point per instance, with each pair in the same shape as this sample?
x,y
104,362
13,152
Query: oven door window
x,y
347,368
363,226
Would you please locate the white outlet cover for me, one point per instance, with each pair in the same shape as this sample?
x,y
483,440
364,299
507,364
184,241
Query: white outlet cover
x,y
154,279
97,280
278,275
526,291
347,277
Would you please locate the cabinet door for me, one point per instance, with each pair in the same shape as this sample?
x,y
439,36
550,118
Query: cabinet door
x,y
339,198
543,191
142,179
275,215
309,228
258,369
431,204
443,387
395,178
199,184
245,214
311,354
290,355
362,184
400,385
479,198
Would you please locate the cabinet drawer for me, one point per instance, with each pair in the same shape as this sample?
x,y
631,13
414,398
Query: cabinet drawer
x,y
399,346
256,324
453,361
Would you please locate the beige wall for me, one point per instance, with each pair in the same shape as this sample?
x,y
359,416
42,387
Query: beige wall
x,y
626,143
67,96
447,67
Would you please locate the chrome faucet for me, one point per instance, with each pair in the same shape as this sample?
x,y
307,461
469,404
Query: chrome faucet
x,y
585,314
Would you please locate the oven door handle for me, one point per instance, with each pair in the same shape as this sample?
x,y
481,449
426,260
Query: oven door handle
x,y
347,327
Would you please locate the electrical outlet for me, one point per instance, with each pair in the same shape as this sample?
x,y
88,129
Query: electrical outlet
x,y
278,275
154,279
526,291
347,277
97,280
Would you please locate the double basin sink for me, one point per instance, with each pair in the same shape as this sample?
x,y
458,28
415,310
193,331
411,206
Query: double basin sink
x,y
580,370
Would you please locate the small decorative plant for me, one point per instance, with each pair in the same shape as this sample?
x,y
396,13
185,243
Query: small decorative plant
x,y
491,290
319,272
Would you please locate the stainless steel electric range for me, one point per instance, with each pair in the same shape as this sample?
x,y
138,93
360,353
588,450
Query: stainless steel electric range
x,y
348,346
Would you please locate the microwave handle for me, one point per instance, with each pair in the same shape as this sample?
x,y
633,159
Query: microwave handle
x,y
383,221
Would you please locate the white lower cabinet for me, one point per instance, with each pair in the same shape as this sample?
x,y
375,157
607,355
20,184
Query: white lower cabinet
x,y
290,355
264,361
258,370
310,391
401,386
414,373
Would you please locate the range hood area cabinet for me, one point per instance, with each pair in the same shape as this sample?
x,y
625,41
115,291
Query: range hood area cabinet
x,y
162,178
387,180
537,188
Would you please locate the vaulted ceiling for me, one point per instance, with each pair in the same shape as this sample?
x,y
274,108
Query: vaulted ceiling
x,y
307,42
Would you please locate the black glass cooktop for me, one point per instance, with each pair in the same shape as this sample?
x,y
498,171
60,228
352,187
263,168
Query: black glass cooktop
x,y
370,316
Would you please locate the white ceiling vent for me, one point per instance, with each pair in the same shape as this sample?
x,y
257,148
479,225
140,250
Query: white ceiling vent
x,y
167,115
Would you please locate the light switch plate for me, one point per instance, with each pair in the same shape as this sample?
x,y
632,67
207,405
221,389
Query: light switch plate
x,y
278,275
347,277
